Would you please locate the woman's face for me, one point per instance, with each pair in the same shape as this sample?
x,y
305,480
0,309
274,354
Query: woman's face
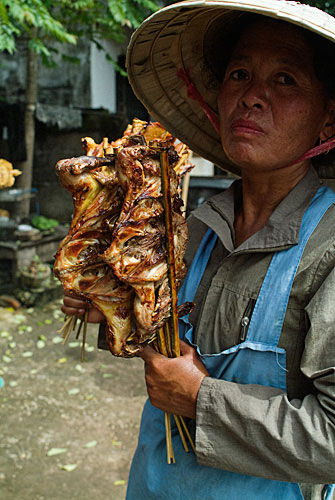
x,y
272,107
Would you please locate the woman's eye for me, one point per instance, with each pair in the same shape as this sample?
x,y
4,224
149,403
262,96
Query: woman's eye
x,y
239,74
285,79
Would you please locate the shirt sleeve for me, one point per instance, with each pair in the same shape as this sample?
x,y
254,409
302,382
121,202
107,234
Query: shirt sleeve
x,y
257,430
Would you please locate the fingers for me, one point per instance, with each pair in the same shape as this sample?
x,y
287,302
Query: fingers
x,y
186,348
148,354
73,306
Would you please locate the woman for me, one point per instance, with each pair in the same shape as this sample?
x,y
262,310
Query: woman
x,y
257,374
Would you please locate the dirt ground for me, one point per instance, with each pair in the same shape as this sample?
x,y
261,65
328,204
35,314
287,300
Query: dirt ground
x,y
67,429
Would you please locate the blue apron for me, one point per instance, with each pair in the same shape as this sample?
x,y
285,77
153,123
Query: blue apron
x,y
257,360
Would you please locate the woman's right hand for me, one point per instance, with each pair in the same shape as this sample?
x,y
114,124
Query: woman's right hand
x,y
73,306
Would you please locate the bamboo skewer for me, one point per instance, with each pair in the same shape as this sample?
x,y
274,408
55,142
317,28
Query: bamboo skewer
x,y
184,193
84,338
166,191
168,336
169,447
182,437
79,329
69,326
67,321
187,432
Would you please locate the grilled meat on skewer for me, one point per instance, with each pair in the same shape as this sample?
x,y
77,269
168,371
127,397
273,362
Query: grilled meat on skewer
x,y
114,254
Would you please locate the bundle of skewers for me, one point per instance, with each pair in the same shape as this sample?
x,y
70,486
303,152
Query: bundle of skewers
x,y
125,246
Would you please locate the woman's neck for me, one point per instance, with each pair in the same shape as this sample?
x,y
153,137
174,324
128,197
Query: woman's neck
x,y
261,194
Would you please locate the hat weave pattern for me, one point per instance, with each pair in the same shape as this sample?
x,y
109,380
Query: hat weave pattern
x,y
172,39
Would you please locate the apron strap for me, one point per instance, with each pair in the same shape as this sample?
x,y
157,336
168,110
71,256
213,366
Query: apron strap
x,y
270,308
197,268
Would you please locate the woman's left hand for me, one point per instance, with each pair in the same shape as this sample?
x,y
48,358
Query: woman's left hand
x,y
173,383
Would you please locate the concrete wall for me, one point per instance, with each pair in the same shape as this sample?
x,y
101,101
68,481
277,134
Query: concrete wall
x,y
103,76
74,101
66,85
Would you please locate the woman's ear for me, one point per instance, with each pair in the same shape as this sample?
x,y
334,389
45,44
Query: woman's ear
x,y
328,129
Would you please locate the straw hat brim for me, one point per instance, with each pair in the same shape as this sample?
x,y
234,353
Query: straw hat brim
x,y
173,39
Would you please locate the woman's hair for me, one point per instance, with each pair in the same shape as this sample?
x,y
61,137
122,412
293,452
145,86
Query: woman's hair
x,y
219,45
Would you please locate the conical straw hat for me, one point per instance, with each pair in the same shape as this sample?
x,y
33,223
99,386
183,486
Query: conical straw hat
x,y
172,39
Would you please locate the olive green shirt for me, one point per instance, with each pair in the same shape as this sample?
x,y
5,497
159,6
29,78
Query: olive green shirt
x,y
261,430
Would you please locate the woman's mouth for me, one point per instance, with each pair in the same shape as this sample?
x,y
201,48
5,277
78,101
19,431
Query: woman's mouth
x,y
243,126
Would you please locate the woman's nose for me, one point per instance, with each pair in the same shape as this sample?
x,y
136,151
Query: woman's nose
x,y
255,96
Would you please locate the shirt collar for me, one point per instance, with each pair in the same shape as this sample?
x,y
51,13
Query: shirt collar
x,y
283,226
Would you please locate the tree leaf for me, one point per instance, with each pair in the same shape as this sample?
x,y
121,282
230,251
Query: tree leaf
x,y
74,344
57,340
90,444
69,467
56,451
116,443
79,368
73,391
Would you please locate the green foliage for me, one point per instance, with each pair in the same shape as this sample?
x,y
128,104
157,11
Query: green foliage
x,y
43,21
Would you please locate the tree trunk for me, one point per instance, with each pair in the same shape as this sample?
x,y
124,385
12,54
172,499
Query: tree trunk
x,y
25,180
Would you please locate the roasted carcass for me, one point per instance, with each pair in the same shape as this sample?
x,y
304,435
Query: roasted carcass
x,y
114,254
7,174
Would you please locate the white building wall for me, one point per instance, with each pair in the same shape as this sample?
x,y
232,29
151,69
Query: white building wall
x,y
103,76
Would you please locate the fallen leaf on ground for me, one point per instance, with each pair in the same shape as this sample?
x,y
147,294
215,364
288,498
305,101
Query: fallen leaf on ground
x,y
90,444
57,340
73,344
25,328
73,391
19,318
40,344
116,443
27,354
69,467
79,368
6,359
4,334
56,451
62,360
48,322
13,383
119,482
107,375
